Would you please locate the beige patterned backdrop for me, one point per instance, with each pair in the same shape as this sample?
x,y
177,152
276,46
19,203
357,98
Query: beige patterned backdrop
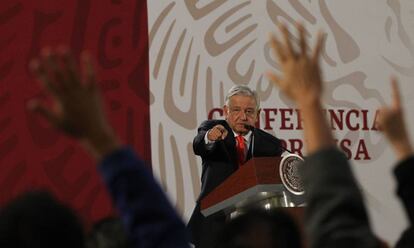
x,y
199,49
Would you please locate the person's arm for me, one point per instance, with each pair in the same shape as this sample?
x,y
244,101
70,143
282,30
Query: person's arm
x,y
392,124
150,219
212,134
199,145
404,173
335,213
78,112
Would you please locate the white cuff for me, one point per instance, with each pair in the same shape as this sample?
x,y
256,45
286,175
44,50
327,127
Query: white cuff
x,y
209,144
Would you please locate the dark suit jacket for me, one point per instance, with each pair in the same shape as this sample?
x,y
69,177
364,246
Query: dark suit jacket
x,y
335,214
404,173
219,163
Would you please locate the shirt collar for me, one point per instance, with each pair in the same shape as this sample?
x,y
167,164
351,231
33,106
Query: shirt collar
x,y
247,137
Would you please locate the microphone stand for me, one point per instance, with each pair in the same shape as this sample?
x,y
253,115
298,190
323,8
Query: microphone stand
x,y
252,128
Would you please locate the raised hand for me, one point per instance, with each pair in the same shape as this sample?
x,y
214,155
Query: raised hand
x,y
391,122
301,78
301,81
77,108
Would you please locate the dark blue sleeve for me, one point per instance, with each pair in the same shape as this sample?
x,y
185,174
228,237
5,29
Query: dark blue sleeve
x,y
149,217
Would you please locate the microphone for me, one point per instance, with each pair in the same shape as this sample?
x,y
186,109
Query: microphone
x,y
252,128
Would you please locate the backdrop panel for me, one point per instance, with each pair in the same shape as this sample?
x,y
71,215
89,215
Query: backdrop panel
x,y
199,49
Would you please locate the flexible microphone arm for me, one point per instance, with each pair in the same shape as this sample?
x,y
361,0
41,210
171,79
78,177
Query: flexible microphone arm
x,y
252,128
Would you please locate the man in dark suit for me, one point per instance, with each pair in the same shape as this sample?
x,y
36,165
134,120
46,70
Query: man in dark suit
x,y
224,146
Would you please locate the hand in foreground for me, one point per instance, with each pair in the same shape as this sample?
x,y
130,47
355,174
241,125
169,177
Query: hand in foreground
x,y
391,122
77,109
301,79
218,132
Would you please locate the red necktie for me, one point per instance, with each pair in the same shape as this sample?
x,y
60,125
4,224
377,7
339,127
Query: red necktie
x,y
241,149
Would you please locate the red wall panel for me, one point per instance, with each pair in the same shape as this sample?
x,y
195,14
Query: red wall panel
x,y
32,154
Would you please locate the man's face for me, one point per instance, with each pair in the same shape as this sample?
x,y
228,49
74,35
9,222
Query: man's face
x,y
241,111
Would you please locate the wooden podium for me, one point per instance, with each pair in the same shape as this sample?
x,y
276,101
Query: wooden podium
x,y
257,183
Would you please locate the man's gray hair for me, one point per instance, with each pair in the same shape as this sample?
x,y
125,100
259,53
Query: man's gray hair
x,y
242,90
